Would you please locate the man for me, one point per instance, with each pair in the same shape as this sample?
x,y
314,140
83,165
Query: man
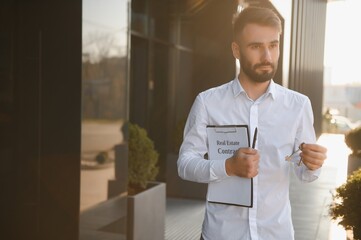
x,y
284,121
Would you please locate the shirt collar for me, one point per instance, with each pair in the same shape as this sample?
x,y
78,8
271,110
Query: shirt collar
x,y
238,89
272,89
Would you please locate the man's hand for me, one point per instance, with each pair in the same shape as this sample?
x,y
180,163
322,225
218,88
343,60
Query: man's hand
x,y
244,163
313,155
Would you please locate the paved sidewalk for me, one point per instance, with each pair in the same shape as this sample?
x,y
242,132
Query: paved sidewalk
x,y
183,219
310,201
334,174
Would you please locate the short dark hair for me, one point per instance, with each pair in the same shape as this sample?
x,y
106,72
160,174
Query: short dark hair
x,y
257,15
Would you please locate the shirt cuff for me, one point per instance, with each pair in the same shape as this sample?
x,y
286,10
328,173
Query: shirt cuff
x,y
218,169
310,175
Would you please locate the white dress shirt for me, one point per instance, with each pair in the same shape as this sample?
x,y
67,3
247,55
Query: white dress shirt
x,y
284,120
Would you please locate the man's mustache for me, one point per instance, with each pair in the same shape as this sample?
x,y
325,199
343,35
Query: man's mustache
x,y
263,65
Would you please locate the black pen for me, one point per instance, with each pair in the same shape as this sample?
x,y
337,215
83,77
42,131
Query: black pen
x,y
254,138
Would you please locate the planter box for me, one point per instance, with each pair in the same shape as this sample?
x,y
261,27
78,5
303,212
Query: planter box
x,y
146,213
105,220
119,184
177,187
354,163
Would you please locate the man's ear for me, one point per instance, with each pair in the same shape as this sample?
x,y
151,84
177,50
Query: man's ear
x,y
235,50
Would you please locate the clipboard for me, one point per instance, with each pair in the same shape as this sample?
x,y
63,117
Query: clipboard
x,y
223,141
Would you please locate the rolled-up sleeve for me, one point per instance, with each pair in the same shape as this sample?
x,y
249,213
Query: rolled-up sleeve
x,y
306,133
191,163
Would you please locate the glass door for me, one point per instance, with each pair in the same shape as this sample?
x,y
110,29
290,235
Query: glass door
x,y
104,111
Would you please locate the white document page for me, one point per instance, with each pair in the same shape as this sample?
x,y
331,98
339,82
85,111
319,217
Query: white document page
x,y
223,142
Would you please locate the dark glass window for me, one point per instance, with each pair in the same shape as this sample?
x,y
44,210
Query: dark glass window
x,y
140,16
186,35
159,19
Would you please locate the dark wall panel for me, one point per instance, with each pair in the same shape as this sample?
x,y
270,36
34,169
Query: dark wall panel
x,y
307,53
41,106
59,181
214,63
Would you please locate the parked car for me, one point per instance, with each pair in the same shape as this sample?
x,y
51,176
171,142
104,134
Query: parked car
x,y
338,124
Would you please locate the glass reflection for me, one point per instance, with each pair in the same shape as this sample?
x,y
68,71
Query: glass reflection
x,y
104,101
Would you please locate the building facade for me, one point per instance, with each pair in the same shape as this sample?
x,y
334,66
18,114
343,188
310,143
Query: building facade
x,y
65,64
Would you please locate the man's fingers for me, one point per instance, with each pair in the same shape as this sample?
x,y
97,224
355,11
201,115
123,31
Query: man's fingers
x,y
250,151
313,147
244,163
312,166
313,161
313,155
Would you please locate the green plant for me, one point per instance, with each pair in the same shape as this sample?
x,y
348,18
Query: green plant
x,y
353,141
143,159
346,205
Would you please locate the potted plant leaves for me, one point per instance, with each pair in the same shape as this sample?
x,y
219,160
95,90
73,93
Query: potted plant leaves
x,y
146,198
346,206
353,141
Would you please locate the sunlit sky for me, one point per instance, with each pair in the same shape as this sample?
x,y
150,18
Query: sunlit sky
x,y
343,42
105,27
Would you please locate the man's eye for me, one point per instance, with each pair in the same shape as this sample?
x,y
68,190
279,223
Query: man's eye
x,y
255,46
274,45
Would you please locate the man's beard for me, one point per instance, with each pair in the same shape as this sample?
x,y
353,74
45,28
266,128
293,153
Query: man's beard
x,y
251,72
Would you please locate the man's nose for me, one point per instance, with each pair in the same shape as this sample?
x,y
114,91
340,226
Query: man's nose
x,y
266,55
